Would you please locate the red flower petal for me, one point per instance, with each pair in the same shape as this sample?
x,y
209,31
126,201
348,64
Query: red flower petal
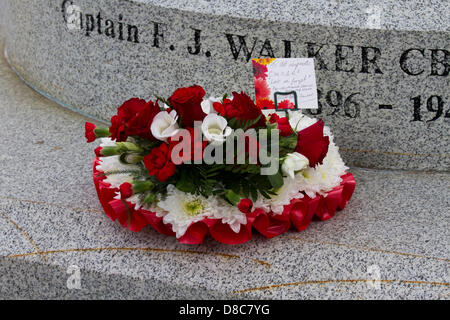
x,y
126,190
89,131
223,233
245,205
313,144
187,103
195,233
158,163
262,90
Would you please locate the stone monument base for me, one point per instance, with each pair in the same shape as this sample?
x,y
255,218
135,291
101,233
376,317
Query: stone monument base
x,y
56,242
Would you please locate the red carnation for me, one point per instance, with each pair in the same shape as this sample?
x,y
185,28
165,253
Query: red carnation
x,y
259,70
245,205
312,143
158,163
274,118
89,131
282,124
133,118
241,107
126,190
98,152
225,108
187,103
285,127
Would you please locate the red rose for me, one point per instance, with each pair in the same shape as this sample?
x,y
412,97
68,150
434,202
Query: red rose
x,y
126,190
282,124
187,103
139,124
158,163
245,205
89,131
133,118
312,143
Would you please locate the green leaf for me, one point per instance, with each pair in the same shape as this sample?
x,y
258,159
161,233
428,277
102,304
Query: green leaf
x,y
109,151
128,146
276,180
150,198
186,184
232,197
141,186
163,100
254,194
102,132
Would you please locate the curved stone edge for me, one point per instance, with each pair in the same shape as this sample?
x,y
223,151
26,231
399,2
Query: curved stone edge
x,y
45,94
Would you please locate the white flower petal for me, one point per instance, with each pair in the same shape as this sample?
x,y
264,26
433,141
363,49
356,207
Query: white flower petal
x,y
164,125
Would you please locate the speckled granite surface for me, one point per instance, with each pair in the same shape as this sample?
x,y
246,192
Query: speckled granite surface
x,y
393,14
396,226
382,66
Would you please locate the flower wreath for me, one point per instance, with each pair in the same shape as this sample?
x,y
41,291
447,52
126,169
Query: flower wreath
x,y
139,181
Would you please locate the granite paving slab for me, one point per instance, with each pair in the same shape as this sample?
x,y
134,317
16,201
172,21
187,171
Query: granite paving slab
x,y
394,230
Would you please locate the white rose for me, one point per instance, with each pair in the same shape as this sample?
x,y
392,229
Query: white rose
x,y
215,129
294,162
207,105
164,125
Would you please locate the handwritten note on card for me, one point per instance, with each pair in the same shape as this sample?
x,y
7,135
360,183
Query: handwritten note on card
x,y
285,83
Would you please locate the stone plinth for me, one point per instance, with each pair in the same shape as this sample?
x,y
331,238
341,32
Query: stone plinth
x,y
382,69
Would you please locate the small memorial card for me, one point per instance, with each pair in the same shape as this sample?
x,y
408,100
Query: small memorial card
x,y
285,83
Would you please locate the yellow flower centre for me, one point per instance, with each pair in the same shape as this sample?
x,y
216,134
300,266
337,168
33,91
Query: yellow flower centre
x,y
193,207
215,130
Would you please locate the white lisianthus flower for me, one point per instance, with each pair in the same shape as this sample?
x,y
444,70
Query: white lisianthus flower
x,y
164,125
215,129
207,105
294,162
299,121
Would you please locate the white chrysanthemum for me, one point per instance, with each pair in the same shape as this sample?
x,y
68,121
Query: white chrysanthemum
x,y
324,177
182,209
289,191
134,199
228,214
